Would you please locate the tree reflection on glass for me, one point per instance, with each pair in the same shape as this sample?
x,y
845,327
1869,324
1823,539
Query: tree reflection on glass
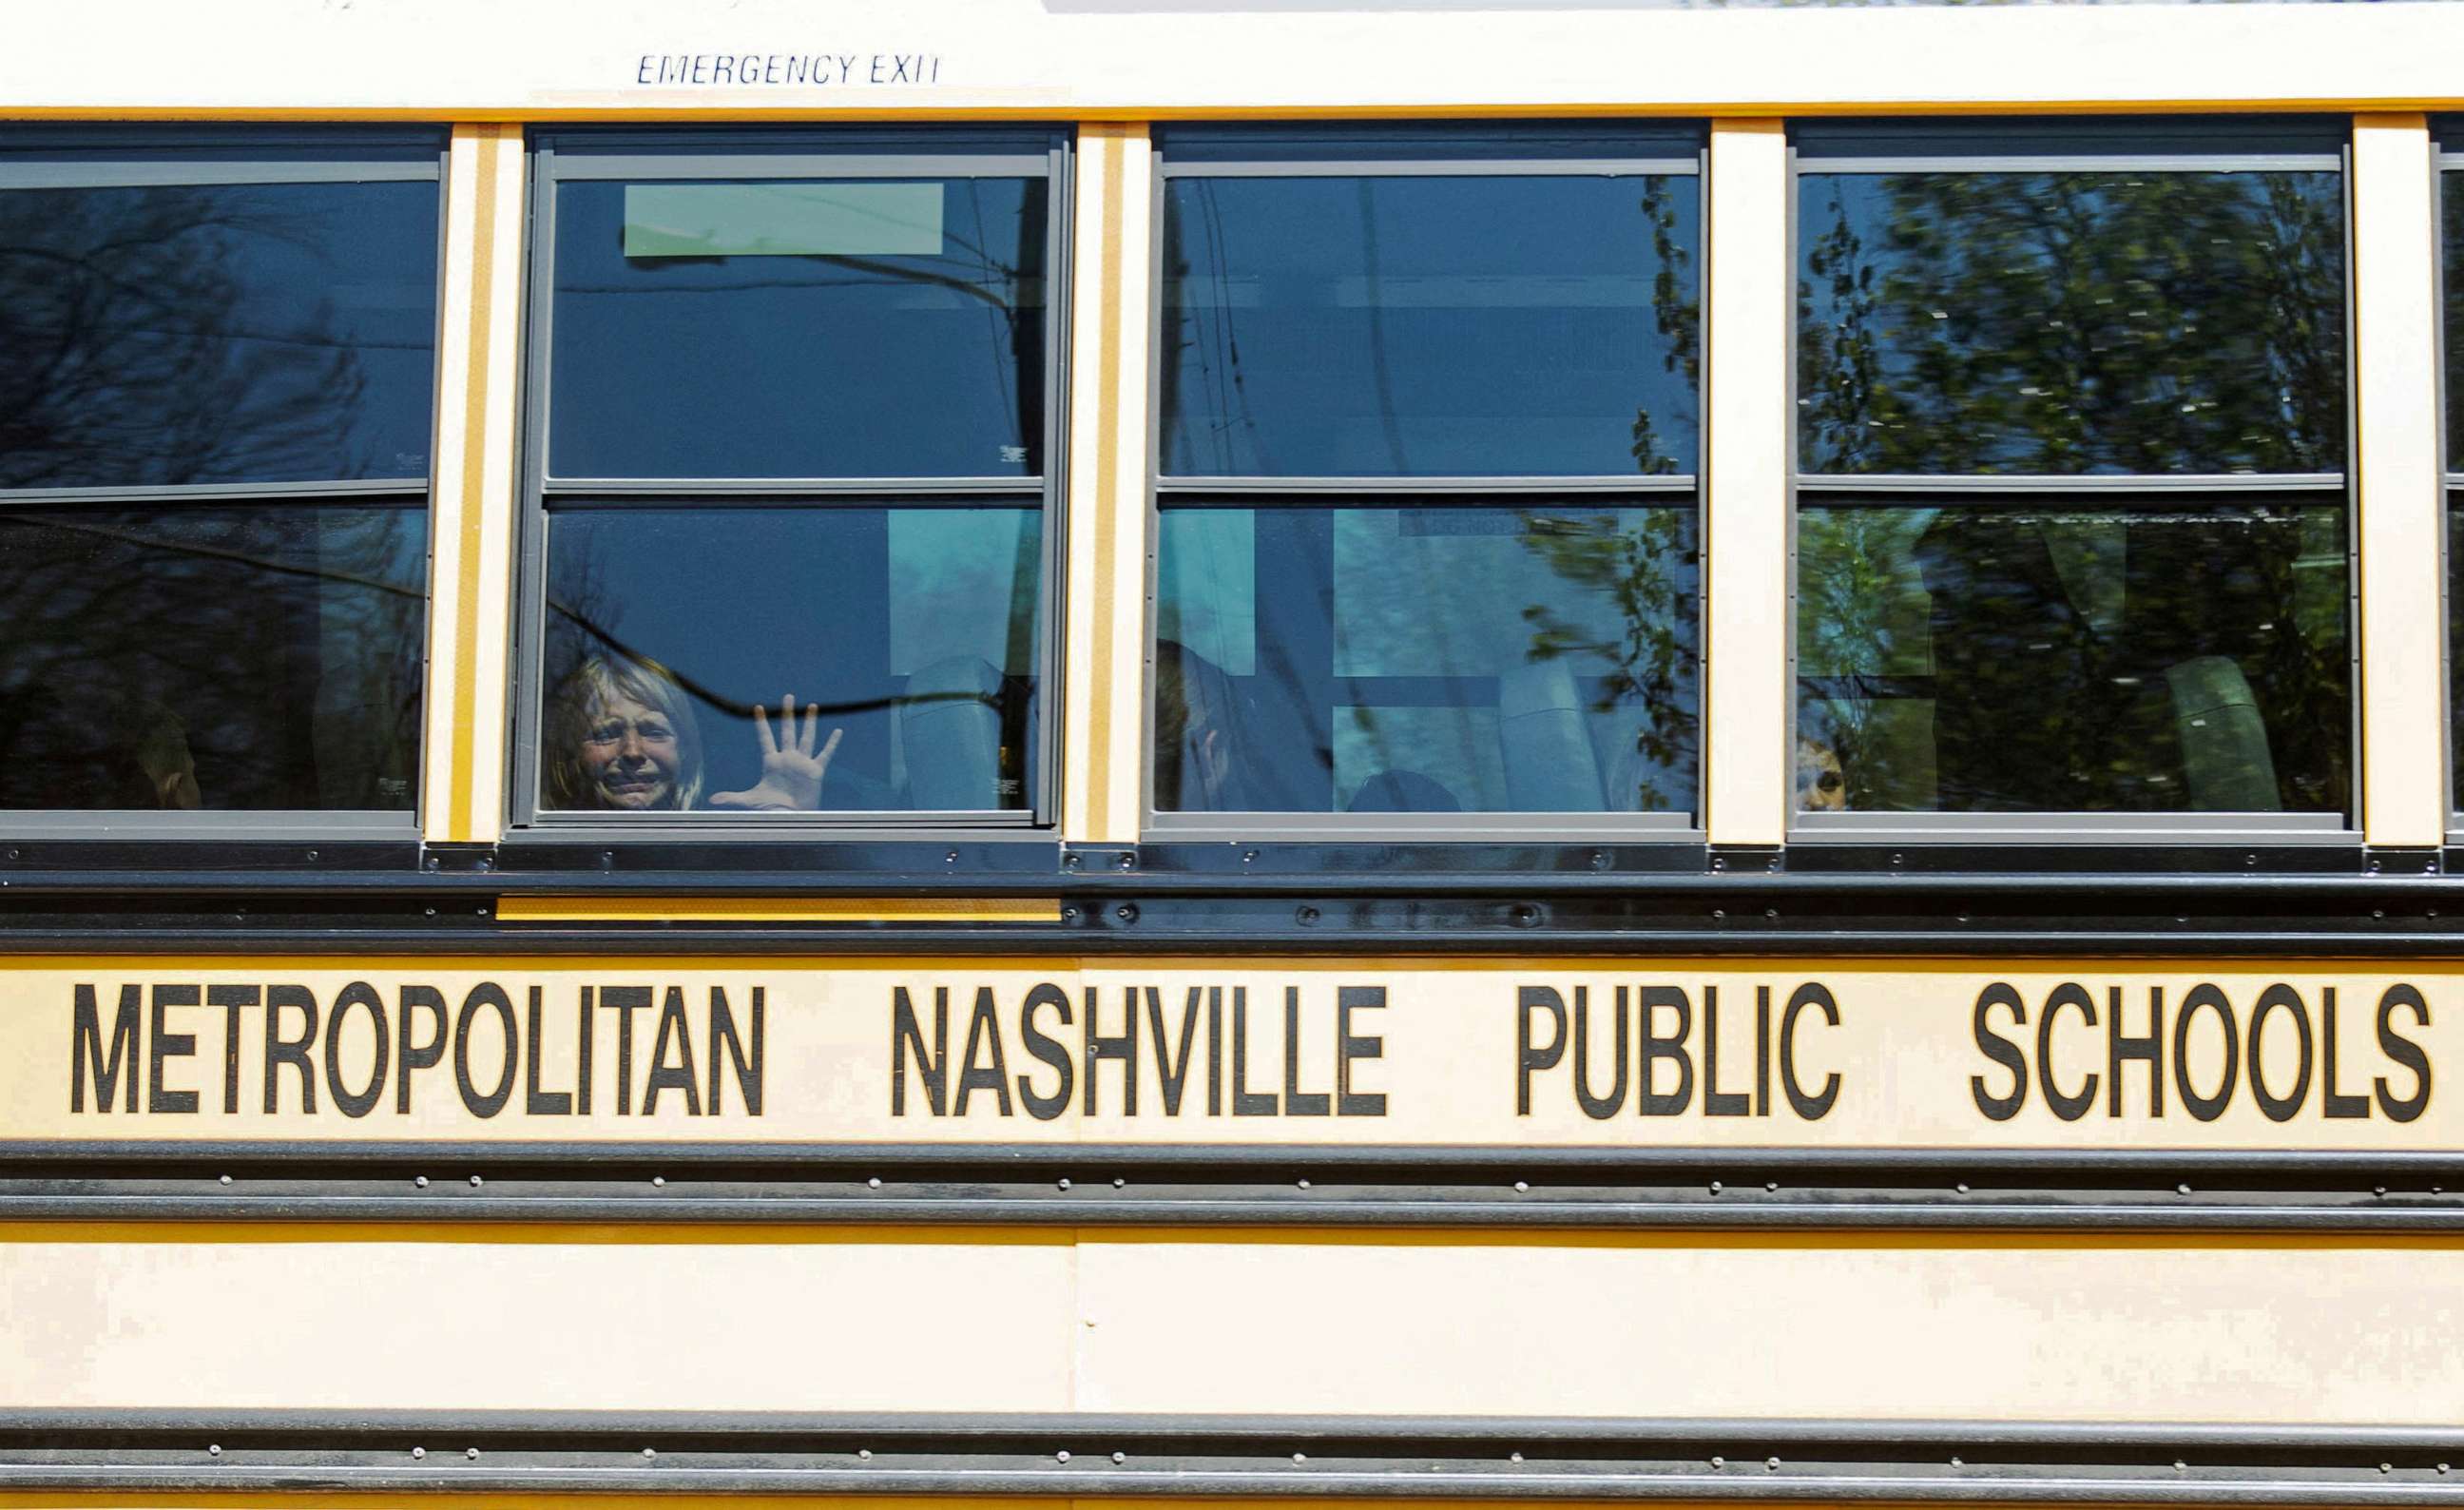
x,y
1643,666
1986,654
2069,324
275,647
207,653
215,334
1649,573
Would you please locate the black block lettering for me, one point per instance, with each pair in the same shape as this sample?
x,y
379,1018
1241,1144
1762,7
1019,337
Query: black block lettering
x,y
230,999
536,1102
983,1026
2072,1108
87,1060
491,996
932,1065
2334,1102
1648,1102
2001,1050
1047,1049
1172,1073
1717,1102
725,1044
1124,1048
2280,997
1531,1057
625,1001
2121,1047
1816,1106
1349,1046
293,1051
681,1075
362,1102
2405,1052
161,1045
1599,1108
2205,997
1298,1102
417,1056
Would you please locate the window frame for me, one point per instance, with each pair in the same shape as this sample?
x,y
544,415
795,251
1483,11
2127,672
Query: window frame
x,y
232,155
2446,161
1420,149
636,153
2090,145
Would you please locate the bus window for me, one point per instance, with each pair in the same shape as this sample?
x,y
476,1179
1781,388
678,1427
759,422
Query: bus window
x,y
789,503
2451,219
217,370
2073,538
1426,536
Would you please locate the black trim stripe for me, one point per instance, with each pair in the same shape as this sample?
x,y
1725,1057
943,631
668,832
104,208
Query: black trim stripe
x,y
1947,1462
1129,1184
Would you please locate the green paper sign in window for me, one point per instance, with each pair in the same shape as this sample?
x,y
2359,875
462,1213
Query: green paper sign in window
x,y
701,220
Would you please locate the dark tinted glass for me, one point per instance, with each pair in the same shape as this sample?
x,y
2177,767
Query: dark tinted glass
x,y
2454,661
1440,659
226,659
236,333
1425,326
913,629
2008,657
2110,321
786,329
2451,204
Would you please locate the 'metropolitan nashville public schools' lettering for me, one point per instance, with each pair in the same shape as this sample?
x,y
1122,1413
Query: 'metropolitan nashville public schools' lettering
x,y
1496,1051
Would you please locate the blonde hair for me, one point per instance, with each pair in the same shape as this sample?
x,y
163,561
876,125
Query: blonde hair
x,y
588,691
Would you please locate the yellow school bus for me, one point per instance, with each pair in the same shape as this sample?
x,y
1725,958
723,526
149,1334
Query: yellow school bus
x,y
1228,750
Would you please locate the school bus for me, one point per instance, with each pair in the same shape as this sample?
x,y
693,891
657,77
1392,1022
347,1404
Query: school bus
x,y
1228,749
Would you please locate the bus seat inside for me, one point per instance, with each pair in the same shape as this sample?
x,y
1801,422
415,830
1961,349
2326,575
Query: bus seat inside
x,y
1545,738
2225,756
949,722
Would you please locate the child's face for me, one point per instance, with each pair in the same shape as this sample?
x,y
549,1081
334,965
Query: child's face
x,y
1819,786
630,756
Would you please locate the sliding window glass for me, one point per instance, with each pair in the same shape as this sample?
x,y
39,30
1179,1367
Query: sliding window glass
x,y
1426,522
217,375
2073,536
791,461
2450,135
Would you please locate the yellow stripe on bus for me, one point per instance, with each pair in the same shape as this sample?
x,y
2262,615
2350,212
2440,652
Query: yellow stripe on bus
x,y
473,511
1107,482
778,909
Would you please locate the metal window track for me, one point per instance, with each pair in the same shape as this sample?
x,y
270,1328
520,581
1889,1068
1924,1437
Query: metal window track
x,y
1952,1462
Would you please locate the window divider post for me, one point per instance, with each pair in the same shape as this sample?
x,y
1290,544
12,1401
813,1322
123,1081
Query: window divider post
x,y
471,533
1748,453
2397,502
1103,685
